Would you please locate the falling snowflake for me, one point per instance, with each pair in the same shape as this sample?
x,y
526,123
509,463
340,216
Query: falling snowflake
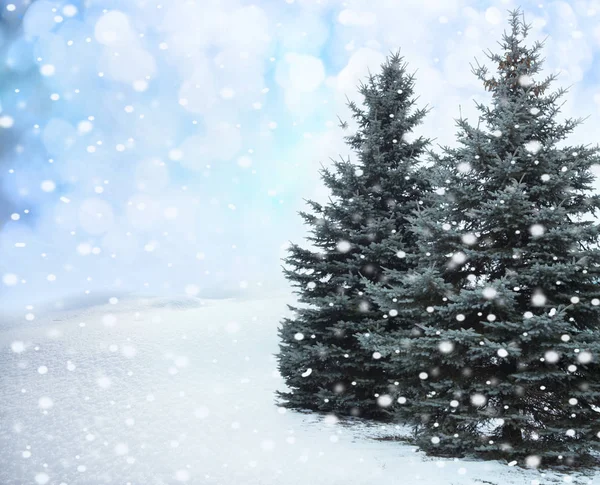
x,y
525,80
533,146
446,347
538,298
459,257
464,167
343,246
384,400
17,347
584,357
469,239
42,478
48,186
104,382
182,475
45,402
10,279
121,449
533,461
537,230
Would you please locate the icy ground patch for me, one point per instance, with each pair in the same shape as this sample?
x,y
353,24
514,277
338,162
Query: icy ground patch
x,y
152,392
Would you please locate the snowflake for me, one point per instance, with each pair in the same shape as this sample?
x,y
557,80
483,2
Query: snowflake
x,y
584,357
538,299
533,146
384,400
525,80
343,246
551,356
446,347
469,239
459,257
45,403
464,167
537,230
17,347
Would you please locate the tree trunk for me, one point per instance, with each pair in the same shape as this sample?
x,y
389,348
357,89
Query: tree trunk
x,y
511,435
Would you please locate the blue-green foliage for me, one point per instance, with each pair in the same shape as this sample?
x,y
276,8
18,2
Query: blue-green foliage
x,y
354,236
502,358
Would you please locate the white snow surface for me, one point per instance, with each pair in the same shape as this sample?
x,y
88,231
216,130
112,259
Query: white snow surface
x,y
153,392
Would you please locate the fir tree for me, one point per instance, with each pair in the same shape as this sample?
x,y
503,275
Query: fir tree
x,y
357,233
506,360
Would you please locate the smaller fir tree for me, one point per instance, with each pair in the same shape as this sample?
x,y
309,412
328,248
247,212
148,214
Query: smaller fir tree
x,y
357,233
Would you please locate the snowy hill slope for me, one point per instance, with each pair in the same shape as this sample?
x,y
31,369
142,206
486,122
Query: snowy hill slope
x,y
153,392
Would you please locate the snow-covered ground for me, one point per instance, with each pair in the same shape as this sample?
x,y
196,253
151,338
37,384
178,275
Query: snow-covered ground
x,y
150,392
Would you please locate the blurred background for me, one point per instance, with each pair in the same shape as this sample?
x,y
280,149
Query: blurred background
x,y
165,147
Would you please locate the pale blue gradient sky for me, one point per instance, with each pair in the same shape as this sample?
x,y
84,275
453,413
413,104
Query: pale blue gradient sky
x,y
165,146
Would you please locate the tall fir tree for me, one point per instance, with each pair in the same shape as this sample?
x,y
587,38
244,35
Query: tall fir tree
x,y
506,360
354,236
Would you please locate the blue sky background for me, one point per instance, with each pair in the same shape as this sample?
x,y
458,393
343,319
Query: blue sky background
x,y
165,147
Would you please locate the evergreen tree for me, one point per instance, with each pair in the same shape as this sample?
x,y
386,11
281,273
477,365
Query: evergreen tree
x,y
506,363
357,233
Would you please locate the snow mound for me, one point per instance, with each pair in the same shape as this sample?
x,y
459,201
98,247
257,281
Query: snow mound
x,y
155,391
